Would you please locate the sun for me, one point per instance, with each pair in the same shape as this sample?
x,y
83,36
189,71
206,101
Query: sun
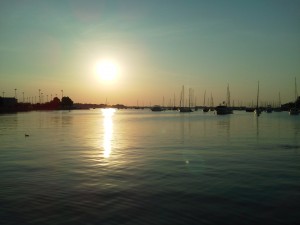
x,y
107,70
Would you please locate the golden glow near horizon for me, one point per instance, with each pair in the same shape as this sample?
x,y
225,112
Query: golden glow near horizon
x,y
104,52
107,70
108,131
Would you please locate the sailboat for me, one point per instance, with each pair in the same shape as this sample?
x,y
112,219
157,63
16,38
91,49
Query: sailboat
x,y
156,108
250,108
225,108
174,105
257,110
295,110
269,109
183,108
212,108
205,109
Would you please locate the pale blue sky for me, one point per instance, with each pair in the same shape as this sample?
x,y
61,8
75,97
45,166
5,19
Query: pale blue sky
x,y
159,46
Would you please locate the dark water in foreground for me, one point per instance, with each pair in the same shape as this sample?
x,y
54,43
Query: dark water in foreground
x,y
141,167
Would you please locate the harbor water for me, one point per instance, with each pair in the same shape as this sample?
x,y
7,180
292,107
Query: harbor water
x,y
104,166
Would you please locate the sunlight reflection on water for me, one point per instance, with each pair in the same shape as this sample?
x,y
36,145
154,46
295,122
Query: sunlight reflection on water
x,y
135,166
108,131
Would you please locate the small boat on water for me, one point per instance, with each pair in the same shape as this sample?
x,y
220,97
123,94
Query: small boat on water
x,y
257,111
205,109
211,108
250,109
183,108
269,109
157,108
223,110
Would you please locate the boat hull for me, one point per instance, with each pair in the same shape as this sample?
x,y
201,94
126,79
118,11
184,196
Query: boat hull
x,y
224,110
185,110
157,109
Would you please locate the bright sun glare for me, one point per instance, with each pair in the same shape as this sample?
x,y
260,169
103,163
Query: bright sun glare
x,y
107,70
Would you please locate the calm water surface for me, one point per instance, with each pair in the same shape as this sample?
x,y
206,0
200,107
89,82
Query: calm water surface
x,y
141,167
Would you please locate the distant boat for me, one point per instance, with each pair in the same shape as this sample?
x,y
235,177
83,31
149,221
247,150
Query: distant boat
x,y
295,110
250,109
205,109
257,111
225,108
174,108
183,108
157,108
269,109
211,108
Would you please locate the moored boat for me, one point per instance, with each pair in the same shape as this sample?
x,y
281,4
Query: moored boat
x,y
223,110
250,109
269,109
205,109
257,111
157,108
185,109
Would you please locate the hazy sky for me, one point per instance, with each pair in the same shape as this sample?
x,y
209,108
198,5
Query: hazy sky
x,y
159,45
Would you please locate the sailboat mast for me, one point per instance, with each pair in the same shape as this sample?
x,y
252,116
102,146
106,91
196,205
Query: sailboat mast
x,y
257,95
296,92
183,96
204,98
174,100
228,96
180,102
189,97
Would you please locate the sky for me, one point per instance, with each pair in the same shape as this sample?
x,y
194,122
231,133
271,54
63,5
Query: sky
x,y
158,46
